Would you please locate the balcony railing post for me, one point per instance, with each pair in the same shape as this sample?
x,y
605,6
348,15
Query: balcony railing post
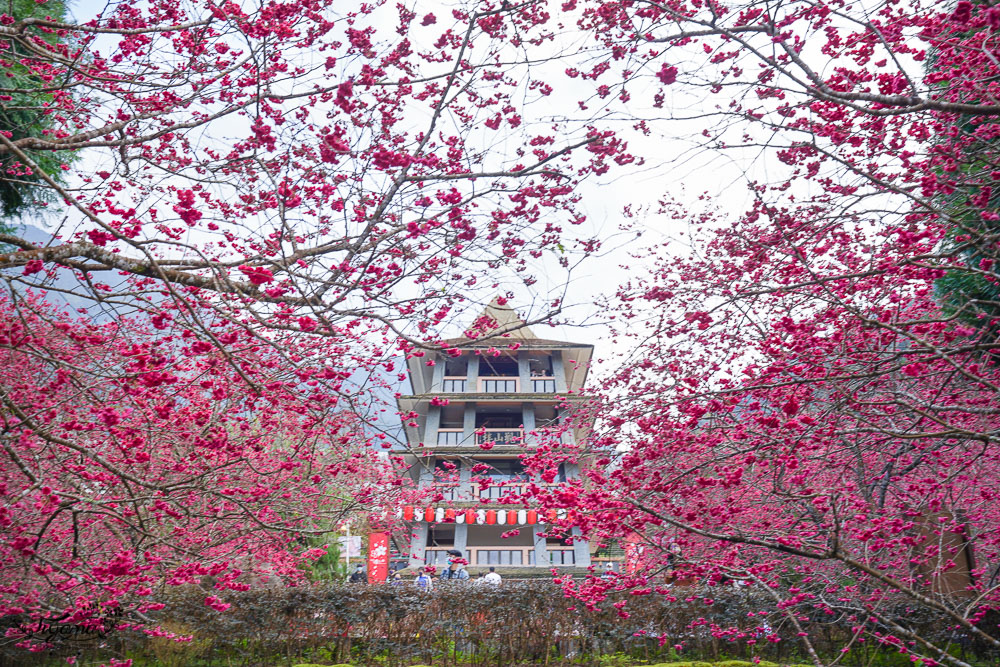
x,y
524,556
451,437
454,385
498,385
543,385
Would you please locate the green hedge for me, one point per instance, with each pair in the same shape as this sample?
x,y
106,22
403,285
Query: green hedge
x,y
467,624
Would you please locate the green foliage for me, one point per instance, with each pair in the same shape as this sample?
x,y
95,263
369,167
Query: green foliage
x,y
28,114
968,295
475,626
726,663
331,566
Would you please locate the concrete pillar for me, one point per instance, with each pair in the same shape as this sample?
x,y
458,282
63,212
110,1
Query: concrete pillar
x,y
524,373
462,538
581,550
472,374
541,548
418,379
528,419
566,437
418,544
430,435
465,482
469,425
437,380
559,371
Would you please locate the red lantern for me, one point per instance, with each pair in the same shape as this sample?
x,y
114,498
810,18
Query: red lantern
x,y
511,517
532,517
491,517
408,513
470,517
449,516
551,516
429,515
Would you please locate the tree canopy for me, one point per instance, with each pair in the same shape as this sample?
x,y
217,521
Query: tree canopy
x,y
271,204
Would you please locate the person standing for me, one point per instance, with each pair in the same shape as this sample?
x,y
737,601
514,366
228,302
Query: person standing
x,y
359,576
493,578
423,581
456,572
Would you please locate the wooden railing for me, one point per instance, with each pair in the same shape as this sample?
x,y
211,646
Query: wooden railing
x,y
457,384
543,385
450,436
453,384
499,385
497,491
500,556
454,491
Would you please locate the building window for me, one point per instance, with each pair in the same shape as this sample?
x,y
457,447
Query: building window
x,y
498,367
441,535
456,367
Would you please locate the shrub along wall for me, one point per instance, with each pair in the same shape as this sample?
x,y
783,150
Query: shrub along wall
x,y
529,623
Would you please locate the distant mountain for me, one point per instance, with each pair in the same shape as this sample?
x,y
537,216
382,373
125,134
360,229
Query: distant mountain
x,y
64,289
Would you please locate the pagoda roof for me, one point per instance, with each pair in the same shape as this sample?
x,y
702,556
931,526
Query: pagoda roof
x,y
509,327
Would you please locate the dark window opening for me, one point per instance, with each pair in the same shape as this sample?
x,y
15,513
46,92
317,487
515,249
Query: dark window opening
x,y
441,536
458,367
507,470
498,420
540,367
497,367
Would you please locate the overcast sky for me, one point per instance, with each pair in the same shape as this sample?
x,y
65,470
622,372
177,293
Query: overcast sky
x,y
672,169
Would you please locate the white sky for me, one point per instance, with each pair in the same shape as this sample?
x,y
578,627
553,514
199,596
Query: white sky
x,y
671,169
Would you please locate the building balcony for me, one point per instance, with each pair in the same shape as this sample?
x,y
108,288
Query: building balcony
x,y
498,491
543,385
454,437
451,437
502,555
456,384
468,493
499,385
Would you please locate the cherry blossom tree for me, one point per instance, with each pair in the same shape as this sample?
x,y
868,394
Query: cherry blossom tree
x,y
808,405
137,459
271,198
266,205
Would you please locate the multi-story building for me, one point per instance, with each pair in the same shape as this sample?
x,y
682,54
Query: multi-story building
x,y
480,407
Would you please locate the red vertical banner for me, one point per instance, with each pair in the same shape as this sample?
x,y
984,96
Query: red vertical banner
x,y
378,557
633,554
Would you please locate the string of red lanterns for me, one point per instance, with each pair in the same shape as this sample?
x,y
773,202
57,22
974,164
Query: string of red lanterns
x,y
488,517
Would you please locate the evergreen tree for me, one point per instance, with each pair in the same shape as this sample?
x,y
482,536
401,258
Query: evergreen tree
x,y
27,105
